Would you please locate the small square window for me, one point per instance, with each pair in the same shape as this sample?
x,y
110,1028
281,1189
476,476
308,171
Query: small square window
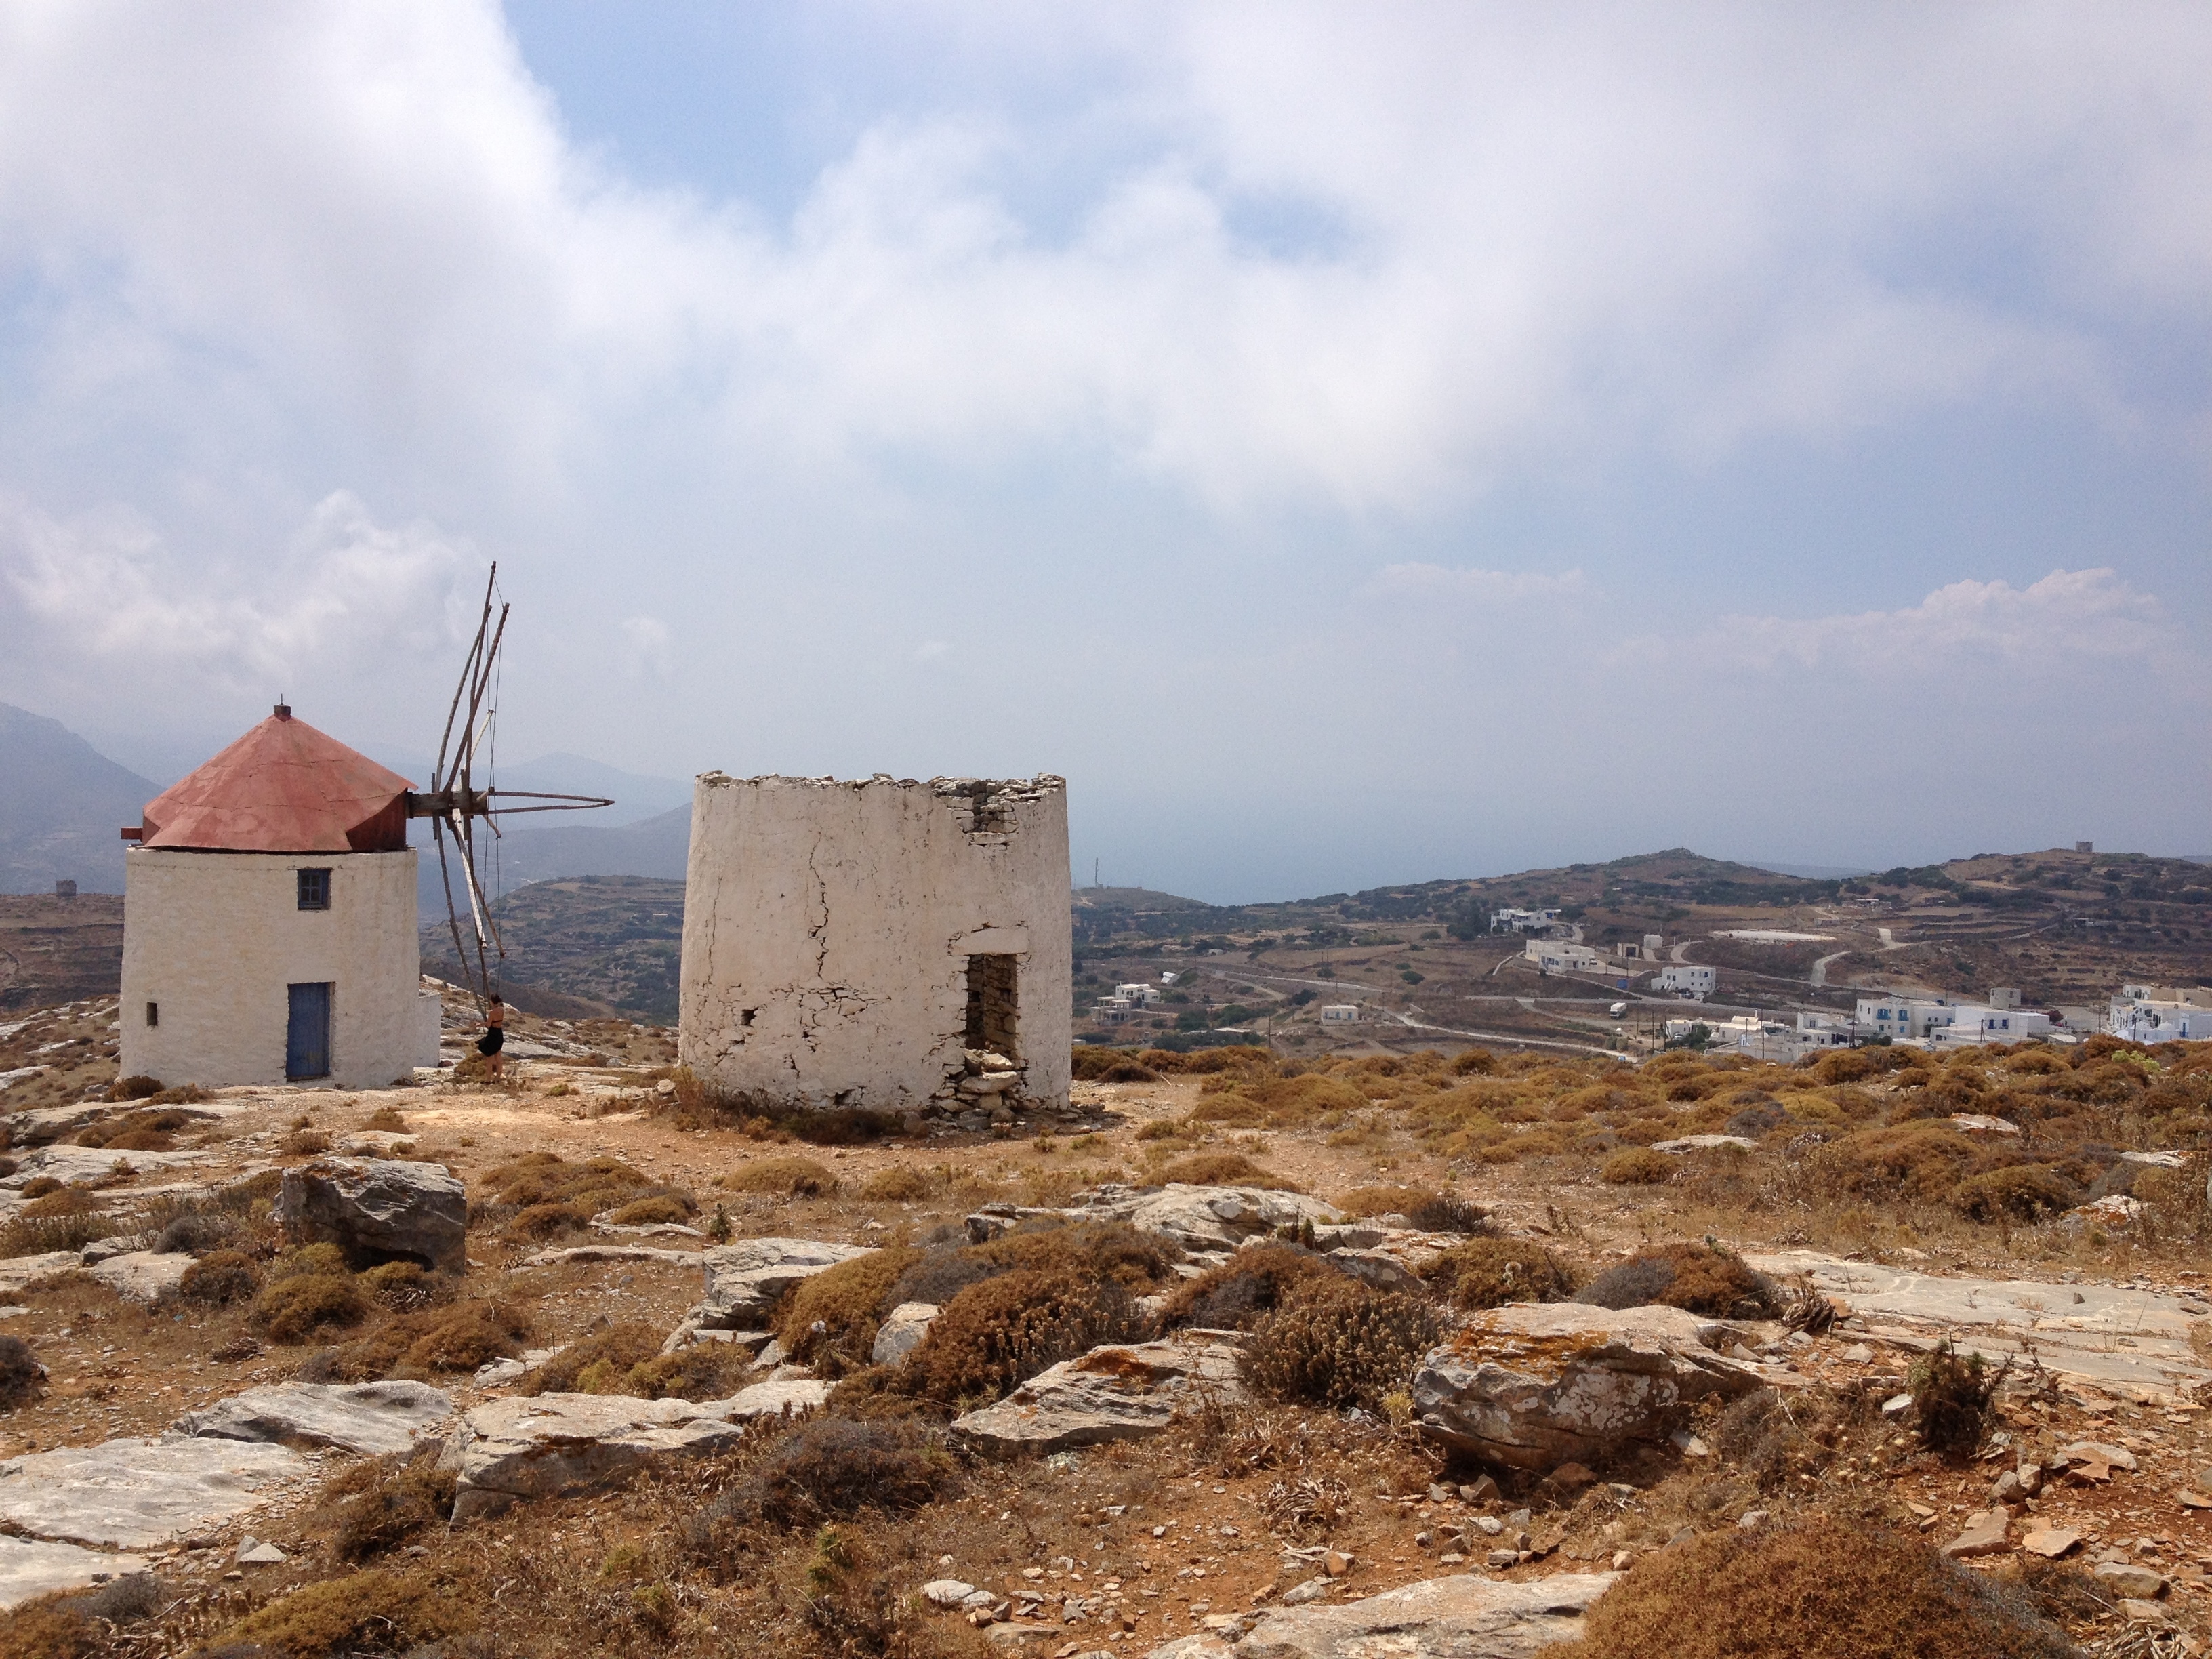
x,y
153,1013
314,889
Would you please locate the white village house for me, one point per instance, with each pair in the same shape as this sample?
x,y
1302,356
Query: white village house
x,y
1688,979
269,921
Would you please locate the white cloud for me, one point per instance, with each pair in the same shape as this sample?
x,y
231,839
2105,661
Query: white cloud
x,y
2068,619
646,651
349,592
1583,227
1435,581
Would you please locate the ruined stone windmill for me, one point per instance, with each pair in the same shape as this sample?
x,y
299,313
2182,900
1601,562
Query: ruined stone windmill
x,y
453,804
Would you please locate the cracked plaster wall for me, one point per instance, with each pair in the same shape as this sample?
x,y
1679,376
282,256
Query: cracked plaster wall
x,y
827,926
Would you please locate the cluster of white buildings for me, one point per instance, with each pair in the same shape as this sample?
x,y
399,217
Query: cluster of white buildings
x,y
1126,1003
2161,1014
1556,956
1522,921
1940,1023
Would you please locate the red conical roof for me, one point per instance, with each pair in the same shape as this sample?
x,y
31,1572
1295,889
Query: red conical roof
x,y
283,787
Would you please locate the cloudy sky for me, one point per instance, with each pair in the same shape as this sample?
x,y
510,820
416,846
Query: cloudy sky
x,y
1352,444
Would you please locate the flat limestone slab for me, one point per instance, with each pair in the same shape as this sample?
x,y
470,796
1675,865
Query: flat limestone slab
x,y
1119,1392
2111,1335
1467,1617
69,1164
367,1418
30,1568
135,1494
772,1399
745,1280
549,1444
24,1270
142,1275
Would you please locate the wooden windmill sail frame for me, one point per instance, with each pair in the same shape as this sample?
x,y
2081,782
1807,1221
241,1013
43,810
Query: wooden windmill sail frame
x,y
453,803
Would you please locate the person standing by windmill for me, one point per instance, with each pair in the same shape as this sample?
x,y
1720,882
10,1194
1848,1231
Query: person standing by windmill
x,y
494,1036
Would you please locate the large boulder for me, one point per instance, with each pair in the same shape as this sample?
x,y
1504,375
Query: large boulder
x,y
135,1494
367,1418
1535,1387
550,1444
1465,1618
746,1280
378,1209
1121,1393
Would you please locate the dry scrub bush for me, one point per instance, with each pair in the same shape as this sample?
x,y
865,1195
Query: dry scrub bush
x,y
1222,1170
65,1219
220,1277
700,1370
903,1184
679,1207
381,1503
1701,1278
1338,1344
1488,1273
2025,1192
994,1336
376,1610
849,1301
1820,1589
22,1377
1638,1166
1920,1161
834,1467
1251,1285
596,1363
304,1290
1951,1400
539,1178
786,1177
1274,1103
136,1087
83,1623
433,1342
2178,1198
1367,1201
1103,1250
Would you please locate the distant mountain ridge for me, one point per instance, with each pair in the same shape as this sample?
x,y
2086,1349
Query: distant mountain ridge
x,y
63,807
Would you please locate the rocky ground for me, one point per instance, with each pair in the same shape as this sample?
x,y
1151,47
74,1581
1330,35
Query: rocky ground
x,y
638,1374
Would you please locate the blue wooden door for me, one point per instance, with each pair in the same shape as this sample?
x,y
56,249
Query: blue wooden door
x,y
307,1034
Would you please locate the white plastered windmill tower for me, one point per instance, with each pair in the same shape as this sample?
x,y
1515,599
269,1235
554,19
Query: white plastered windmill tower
x,y
269,912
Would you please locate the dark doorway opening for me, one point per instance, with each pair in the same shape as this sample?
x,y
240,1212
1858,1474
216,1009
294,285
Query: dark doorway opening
x,y
307,1032
993,1005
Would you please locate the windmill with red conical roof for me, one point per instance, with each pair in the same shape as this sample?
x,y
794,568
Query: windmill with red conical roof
x,y
269,912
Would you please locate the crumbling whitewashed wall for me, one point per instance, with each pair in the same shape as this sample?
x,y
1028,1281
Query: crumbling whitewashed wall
x,y
828,928
215,939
